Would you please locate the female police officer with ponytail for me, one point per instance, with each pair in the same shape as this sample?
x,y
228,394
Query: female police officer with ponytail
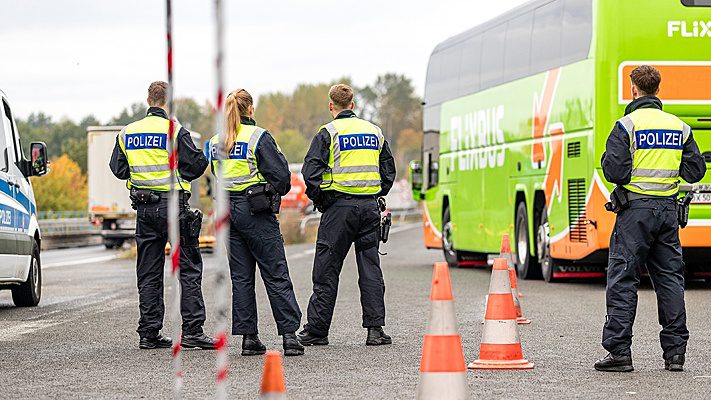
x,y
255,175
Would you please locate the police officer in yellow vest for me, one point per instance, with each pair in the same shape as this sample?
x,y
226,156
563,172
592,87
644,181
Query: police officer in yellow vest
x,y
348,165
648,152
140,156
256,174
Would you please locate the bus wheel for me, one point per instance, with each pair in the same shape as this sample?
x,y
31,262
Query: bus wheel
x,y
526,265
543,247
450,254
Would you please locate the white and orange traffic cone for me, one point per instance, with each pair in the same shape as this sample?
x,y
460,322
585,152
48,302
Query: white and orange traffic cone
x,y
443,373
273,386
506,253
500,343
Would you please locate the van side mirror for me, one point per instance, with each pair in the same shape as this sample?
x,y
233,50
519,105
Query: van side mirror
x,y
416,179
40,165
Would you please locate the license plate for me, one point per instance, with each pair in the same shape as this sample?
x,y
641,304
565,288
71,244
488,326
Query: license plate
x,y
701,198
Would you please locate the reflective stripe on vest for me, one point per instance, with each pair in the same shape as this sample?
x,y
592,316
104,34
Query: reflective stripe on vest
x,y
145,144
240,169
656,144
354,161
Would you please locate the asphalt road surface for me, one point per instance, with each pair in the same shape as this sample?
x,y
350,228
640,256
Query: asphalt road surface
x,y
81,341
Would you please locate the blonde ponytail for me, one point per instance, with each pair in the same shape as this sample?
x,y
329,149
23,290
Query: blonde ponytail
x,y
237,104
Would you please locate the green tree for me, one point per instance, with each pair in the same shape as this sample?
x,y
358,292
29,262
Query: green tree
x,y
63,189
130,114
293,145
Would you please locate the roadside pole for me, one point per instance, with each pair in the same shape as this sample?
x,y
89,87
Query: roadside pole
x,y
173,213
222,215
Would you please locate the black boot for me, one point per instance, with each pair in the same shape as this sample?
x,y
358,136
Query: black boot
x,y
613,363
200,341
675,363
156,342
252,346
377,337
292,347
309,339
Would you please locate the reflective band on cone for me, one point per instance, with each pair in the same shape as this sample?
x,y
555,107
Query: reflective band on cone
x,y
273,386
443,374
500,343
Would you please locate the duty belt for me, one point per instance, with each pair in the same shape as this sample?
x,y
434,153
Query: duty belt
x,y
638,196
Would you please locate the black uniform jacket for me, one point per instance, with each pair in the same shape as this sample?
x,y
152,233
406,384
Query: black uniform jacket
x,y
316,162
617,159
191,161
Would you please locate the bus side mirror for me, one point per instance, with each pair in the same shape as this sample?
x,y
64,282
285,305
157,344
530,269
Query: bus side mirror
x,y
416,179
40,165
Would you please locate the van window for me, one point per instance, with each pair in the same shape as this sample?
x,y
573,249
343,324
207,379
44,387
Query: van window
x,y
10,134
696,3
5,130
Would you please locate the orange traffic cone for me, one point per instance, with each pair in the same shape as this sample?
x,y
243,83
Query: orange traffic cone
x,y
500,342
506,253
443,374
273,386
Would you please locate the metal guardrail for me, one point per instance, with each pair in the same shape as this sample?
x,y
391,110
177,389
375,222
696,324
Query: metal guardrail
x,y
42,215
68,227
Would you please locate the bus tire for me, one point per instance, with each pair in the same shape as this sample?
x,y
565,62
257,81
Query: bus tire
x,y
526,265
543,248
450,254
29,293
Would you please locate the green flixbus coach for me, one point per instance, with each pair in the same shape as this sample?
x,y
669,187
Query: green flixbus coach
x,y
516,115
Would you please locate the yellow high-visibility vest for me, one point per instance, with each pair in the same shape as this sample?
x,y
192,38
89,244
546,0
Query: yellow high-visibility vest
x,y
354,162
145,144
240,169
656,142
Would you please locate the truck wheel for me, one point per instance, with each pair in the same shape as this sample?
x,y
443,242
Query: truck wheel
x,y
450,254
543,247
113,243
28,294
526,265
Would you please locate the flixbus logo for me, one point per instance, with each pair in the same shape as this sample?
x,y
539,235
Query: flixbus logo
x,y
689,29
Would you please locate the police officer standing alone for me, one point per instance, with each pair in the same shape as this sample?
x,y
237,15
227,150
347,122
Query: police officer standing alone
x,y
256,175
140,156
647,152
347,166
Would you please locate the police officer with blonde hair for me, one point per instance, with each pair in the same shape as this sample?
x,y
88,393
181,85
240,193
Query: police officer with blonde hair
x,y
256,175
140,157
348,165
647,153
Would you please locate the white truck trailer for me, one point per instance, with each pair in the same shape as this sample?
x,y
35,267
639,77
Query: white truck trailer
x,y
109,204
108,197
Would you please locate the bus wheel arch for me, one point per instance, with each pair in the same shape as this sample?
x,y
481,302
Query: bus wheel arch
x,y
527,265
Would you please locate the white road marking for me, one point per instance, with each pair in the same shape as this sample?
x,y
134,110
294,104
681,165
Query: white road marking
x,y
303,254
81,261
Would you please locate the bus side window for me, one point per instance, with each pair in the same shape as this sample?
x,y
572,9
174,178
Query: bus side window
x,y
545,43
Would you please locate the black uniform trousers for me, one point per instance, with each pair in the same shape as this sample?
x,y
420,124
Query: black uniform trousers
x,y
350,220
256,240
647,233
151,238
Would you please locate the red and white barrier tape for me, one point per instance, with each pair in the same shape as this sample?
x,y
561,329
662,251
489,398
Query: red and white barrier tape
x,y
222,215
173,212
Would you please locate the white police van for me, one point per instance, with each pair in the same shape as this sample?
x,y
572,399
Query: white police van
x,y
19,231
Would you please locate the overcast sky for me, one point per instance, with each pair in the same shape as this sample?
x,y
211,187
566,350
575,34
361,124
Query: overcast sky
x,y
72,58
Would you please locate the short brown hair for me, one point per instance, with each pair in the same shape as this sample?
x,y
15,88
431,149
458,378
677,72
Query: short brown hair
x,y
646,78
158,93
341,96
